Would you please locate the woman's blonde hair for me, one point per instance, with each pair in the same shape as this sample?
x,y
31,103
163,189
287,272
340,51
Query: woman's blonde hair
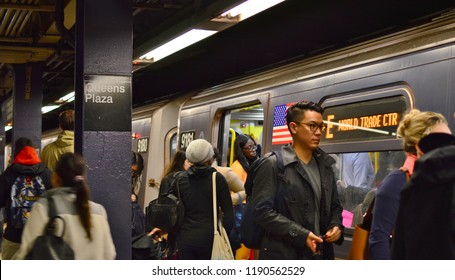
x,y
415,125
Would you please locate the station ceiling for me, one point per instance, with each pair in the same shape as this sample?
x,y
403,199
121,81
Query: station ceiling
x,y
44,30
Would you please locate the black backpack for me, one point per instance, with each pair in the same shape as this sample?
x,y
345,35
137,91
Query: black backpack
x,y
251,233
50,245
167,211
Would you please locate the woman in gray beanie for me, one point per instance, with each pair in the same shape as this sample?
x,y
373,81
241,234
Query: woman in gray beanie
x,y
195,237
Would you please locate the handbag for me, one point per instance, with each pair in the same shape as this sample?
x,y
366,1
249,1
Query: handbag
x,y
50,246
167,211
221,248
359,245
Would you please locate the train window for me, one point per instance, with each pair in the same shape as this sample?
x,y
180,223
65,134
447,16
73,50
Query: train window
x,y
173,146
358,175
170,145
246,120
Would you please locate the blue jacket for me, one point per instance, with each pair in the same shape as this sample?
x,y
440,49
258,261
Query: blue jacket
x,y
385,212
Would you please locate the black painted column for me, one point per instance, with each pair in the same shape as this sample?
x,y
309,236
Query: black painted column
x,y
28,100
2,143
104,47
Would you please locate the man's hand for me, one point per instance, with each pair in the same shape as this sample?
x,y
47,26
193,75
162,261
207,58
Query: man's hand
x,y
312,242
332,234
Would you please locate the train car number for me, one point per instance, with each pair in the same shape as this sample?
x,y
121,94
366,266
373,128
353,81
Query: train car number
x,y
186,138
142,145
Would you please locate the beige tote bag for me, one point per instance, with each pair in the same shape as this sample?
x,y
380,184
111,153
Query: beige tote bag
x,y
221,249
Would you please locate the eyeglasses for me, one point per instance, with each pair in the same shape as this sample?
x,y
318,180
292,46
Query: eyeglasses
x,y
251,148
313,126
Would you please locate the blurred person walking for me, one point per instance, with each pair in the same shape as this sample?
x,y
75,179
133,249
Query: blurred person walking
x,y
20,186
87,228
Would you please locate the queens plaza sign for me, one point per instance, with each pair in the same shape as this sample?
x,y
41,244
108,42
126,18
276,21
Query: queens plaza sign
x,y
107,101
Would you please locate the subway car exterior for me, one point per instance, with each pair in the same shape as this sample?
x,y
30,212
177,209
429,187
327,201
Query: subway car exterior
x,y
365,90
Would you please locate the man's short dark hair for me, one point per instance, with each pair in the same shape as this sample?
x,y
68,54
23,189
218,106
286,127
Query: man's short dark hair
x,y
66,120
296,111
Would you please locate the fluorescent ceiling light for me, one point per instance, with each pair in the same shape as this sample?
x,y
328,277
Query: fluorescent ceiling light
x,y
47,109
250,8
181,42
243,11
62,100
67,98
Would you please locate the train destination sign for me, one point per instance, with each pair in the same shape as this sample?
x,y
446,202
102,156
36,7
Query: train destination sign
x,y
363,121
107,102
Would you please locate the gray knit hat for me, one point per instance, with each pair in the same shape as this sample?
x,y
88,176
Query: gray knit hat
x,y
199,151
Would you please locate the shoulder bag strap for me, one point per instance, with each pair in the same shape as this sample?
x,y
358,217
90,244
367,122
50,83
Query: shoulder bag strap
x,y
53,216
368,219
175,183
215,216
52,211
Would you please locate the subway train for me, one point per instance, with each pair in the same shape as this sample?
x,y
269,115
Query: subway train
x,y
365,90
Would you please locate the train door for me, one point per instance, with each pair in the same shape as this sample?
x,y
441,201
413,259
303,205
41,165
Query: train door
x,y
241,120
140,144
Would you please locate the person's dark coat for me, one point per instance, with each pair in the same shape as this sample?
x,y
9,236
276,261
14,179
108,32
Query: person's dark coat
x,y
287,213
195,187
425,227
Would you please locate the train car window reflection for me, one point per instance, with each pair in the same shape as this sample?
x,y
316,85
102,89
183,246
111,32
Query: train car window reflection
x,y
358,175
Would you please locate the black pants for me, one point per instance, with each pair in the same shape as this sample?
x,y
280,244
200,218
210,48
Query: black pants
x,y
188,252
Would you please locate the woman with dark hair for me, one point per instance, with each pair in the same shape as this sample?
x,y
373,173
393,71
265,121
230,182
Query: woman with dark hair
x,y
245,154
178,163
137,165
87,229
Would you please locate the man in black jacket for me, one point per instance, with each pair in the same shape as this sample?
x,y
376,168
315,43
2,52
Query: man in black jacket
x,y
20,186
301,216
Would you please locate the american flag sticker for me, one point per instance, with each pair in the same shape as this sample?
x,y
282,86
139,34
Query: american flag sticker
x,y
280,134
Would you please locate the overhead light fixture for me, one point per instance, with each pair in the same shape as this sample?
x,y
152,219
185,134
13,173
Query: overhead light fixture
x,y
243,11
250,8
181,42
47,109
62,100
67,98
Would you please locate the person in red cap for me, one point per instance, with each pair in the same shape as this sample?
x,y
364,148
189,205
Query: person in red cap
x,y
20,186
